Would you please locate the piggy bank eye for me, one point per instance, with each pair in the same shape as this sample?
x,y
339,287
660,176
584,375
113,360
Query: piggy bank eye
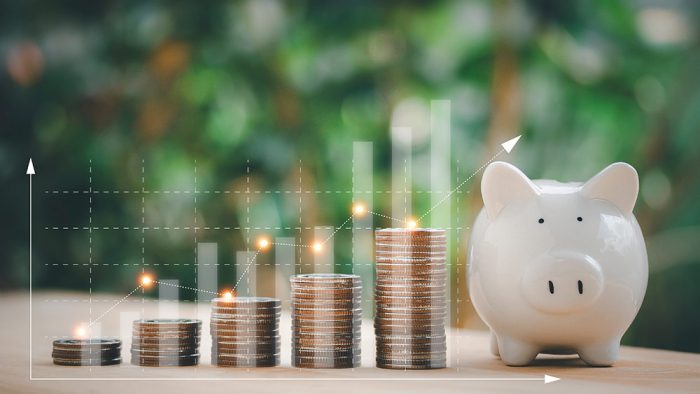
x,y
580,219
540,221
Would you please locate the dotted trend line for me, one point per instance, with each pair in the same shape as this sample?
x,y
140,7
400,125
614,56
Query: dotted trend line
x,y
288,244
337,229
462,184
115,305
250,262
186,287
387,217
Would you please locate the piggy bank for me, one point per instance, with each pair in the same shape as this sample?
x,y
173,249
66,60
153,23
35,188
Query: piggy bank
x,y
558,268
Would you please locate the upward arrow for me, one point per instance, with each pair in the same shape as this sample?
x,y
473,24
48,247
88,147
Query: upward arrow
x,y
30,172
510,144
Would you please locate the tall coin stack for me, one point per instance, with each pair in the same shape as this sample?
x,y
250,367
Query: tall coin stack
x,y
245,332
326,320
91,352
165,342
410,301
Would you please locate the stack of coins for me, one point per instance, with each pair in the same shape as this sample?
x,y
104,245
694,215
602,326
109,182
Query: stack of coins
x,y
76,352
245,332
410,301
326,320
165,342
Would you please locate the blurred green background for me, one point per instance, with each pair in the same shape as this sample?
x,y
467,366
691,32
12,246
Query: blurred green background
x,y
232,95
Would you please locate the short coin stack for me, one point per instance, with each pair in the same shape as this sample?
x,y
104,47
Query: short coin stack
x,y
166,342
245,332
76,352
410,298
326,320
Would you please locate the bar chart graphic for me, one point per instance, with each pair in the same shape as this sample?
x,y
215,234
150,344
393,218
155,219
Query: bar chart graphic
x,y
272,234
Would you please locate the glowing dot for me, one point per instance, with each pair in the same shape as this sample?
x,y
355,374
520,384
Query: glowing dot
x,y
80,332
146,280
263,243
359,209
228,296
411,224
317,247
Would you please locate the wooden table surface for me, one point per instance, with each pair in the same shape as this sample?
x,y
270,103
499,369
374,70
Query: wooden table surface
x,y
55,315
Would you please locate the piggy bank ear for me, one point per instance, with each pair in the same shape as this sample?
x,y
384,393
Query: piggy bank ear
x,y
502,184
618,183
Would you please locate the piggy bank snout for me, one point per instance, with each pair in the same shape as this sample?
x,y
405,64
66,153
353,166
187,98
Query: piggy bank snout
x,y
562,283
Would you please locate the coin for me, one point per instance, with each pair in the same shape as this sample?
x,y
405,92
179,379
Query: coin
x,y
326,320
245,361
165,361
245,332
266,302
410,298
165,342
92,352
86,362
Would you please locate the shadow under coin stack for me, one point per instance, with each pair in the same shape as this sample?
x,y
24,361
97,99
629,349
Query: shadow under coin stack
x,y
245,332
326,320
409,296
77,352
166,342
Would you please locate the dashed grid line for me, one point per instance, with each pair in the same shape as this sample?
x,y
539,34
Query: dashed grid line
x,y
90,246
196,262
200,264
253,191
90,238
457,263
143,239
147,228
352,238
300,222
247,222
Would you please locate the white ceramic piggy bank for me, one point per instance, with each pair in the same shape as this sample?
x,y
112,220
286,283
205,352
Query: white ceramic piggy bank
x,y
555,267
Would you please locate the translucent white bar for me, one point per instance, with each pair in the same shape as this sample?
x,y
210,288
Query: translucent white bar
x,y
126,325
285,261
440,181
207,273
168,297
362,233
401,179
285,255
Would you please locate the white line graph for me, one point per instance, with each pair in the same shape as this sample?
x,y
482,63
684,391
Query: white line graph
x,y
313,246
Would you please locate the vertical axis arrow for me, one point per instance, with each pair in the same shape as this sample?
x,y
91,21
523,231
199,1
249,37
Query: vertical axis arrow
x,y
30,172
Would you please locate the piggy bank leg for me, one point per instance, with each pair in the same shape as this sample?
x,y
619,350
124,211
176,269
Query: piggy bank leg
x,y
600,355
516,353
494,345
